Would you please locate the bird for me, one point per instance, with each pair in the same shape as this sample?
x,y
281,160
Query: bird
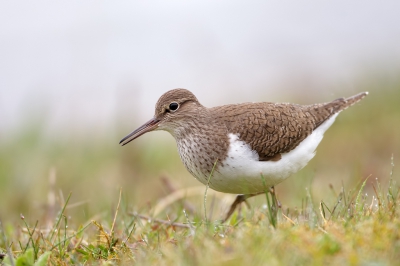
x,y
242,148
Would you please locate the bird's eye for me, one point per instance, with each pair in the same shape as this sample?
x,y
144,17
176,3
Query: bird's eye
x,y
173,106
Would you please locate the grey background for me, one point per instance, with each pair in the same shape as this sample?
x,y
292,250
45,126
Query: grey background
x,y
79,65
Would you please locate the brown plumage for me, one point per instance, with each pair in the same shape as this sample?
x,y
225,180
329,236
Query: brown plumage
x,y
275,128
270,129
243,141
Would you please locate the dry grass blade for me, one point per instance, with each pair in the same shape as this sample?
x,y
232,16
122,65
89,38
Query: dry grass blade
x,y
171,188
116,212
165,222
181,194
322,212
287,218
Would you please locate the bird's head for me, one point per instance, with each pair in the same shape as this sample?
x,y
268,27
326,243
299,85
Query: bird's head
x,y
172,110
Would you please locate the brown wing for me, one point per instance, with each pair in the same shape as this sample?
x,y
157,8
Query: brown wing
x,y
272,129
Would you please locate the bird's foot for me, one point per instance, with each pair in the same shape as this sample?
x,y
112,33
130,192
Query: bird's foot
x,y
239,199
243,198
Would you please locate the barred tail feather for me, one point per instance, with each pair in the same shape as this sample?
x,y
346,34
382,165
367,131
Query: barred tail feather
x,y
341,104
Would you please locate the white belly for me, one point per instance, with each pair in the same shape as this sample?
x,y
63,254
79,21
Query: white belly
x,y
242,171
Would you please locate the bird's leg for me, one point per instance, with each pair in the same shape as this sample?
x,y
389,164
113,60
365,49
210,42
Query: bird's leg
x,y
243,198
239,199
275,202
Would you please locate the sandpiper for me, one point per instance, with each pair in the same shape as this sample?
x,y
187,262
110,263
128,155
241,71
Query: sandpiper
x,y
242,148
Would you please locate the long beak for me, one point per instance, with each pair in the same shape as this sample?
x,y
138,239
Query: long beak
x,y
148,126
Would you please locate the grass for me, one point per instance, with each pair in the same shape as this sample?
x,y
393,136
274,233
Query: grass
x,y
352,231
61,200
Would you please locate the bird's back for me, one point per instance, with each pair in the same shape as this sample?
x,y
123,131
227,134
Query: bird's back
x,y
275,128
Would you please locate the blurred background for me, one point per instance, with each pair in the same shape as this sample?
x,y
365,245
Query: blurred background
x,y
76,77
